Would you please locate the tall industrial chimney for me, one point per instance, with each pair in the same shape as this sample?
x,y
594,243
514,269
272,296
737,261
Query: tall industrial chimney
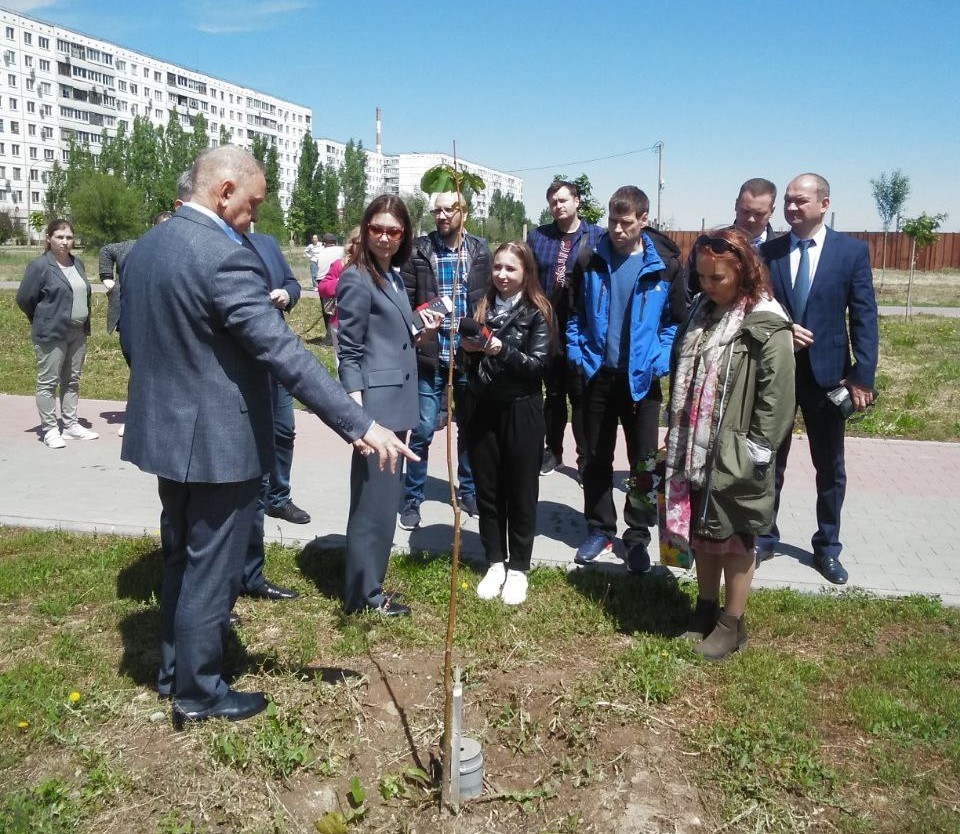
x,y
379,133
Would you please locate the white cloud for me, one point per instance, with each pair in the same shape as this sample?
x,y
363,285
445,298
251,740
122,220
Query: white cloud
x,y
216,20
28,5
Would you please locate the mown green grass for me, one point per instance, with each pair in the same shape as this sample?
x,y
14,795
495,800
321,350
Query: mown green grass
x,y
843,714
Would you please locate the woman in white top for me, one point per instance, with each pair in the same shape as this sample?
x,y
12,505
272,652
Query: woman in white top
x,y
55,296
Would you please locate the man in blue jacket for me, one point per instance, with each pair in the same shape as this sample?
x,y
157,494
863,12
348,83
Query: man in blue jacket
x,y
626,306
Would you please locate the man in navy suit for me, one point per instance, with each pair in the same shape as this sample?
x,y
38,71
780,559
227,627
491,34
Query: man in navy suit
x,y
202,339
823,280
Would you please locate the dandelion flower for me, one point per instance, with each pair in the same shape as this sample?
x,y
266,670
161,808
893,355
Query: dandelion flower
x,y
74,697
22,725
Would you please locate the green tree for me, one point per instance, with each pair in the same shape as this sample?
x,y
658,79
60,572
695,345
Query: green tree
x,y
55,204
890,194
146,170
6,227
114,151
545,217
225,137
353,183
38,221
199,137
105,209
327,188
590,209
922,232
176,155
417,208
270,220
302,216
508,215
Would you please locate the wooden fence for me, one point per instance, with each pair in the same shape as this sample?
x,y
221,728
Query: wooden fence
x,y
944,254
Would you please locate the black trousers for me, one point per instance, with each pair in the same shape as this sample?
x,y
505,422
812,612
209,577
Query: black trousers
x,y
607,404
371,525
505,443
561,383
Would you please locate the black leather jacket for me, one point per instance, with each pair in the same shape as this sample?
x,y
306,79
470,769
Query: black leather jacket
x,y
420,280
517,371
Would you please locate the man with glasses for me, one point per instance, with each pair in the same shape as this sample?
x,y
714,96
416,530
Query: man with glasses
x,y
555,246
437,259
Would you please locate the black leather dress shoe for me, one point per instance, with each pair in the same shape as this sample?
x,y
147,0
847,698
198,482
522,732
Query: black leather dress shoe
x,y
234,706
272,592
235,620
289,512
832,571
389,608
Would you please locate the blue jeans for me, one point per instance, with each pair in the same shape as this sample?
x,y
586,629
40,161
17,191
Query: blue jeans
x,y
284,432
430,388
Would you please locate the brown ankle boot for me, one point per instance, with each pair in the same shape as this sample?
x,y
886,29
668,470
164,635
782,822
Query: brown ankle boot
x,y
729,635
702,620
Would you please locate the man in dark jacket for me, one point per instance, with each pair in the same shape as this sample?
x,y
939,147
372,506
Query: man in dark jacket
x,y
429,274
555,246
626,305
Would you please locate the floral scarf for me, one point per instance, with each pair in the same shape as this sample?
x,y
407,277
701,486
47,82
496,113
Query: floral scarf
x,y
694,410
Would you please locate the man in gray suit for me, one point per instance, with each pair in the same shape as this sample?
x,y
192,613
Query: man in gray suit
x,y
202,339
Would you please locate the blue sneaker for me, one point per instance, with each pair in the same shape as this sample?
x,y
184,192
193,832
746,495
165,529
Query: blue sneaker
x,y
596,544
638,559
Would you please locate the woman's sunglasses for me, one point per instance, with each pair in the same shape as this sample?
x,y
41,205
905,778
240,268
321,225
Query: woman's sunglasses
x,y
392,232
717,245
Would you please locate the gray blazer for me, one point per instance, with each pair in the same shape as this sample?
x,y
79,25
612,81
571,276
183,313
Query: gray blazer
x,y
46,298
202,338
376,350
114,254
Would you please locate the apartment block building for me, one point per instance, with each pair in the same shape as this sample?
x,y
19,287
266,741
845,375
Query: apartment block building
x,y
57,84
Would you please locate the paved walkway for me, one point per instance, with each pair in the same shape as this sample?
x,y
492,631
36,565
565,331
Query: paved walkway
x,y
901,523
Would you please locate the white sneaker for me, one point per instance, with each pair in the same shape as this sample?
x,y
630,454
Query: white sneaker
x,y
78,432
120,433
514,589
489,586
53,440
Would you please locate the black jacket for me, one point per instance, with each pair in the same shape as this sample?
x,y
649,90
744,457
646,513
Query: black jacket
x,y
420,279
517,371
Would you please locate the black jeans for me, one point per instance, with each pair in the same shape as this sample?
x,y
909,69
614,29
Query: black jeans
x,y
560,383
505,442
607,403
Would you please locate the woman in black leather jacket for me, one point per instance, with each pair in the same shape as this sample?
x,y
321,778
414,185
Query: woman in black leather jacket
x,y
504,425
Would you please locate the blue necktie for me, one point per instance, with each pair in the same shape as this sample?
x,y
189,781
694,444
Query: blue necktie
x,y
801,286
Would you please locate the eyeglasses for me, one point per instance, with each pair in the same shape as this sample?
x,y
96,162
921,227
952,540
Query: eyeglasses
x,y
446,211
392,232
717,245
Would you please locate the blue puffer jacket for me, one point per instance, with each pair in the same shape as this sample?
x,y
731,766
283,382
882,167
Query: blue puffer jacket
x,y
653,313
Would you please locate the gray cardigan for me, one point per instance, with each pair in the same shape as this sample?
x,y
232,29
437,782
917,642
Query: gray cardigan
x,y
46,297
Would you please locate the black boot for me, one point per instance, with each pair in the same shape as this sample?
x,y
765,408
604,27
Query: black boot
x,y
702,620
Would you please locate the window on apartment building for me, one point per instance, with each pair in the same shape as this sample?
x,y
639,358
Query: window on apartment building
x,y
157,77
48,154
10,33
44,43
18,196
122,86
31,107
13,103
35,196
27,39
30,84
16,173
44,65
121,65
134,89
31,130
28,60
14,150
3,148
1,125
11,79
14,127
34,175
3,172
33,153
146,72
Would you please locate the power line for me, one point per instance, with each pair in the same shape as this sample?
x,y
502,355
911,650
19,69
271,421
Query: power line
x,y
584,161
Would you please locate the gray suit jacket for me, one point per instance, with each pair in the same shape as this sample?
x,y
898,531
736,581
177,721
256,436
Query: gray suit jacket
x,y
114,254
376,350
202,337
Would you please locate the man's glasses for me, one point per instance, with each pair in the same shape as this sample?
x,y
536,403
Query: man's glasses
x,y
717,245
392,232
446,211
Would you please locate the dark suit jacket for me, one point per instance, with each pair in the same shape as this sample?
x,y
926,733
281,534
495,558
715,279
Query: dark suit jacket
x,y
278,270
202,338
114,254
841,308
376,350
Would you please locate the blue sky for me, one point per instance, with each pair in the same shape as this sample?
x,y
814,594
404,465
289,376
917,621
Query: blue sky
x,y
733,90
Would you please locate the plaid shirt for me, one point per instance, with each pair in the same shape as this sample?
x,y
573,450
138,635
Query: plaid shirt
x,y
444,267
545,243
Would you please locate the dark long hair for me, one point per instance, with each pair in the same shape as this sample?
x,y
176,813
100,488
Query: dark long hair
x,y
362,256
533,295
754,277
56,226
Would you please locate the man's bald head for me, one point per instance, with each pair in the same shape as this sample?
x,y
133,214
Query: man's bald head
x,y
230,182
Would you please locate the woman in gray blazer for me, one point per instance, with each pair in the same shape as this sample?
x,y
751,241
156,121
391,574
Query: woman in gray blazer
x,y
55,296
378,368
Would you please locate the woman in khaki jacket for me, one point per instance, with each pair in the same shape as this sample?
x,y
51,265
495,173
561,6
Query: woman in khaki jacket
x,y
731,405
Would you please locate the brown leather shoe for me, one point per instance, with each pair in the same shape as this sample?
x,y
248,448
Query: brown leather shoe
x,y
727,637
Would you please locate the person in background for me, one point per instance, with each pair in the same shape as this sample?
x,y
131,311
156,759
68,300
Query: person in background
x,y
731,405
327,287
312,254
378,369
55,296
503,421
555,247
